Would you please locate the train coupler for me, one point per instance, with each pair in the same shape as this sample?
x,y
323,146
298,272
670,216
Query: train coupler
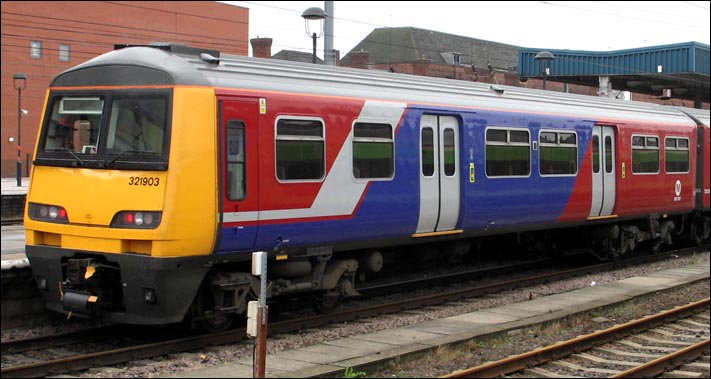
x,y
79,302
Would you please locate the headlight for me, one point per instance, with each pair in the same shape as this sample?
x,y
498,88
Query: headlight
x,y
48,213
136,219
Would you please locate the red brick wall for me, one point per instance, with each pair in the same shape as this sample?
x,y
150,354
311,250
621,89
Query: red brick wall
x,y
91,28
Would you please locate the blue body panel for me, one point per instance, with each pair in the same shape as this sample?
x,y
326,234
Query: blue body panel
x,y
390,209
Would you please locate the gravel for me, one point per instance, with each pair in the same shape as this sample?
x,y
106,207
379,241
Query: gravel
x,y
443,360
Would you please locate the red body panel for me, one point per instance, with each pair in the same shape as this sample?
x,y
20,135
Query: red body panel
x,y
652,193
639,194
578,205
339,115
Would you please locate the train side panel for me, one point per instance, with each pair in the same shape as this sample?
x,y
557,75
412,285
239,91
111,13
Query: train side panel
x,y
296,213
651,180
537,195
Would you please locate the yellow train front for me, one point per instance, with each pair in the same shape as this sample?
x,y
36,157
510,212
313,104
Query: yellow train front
x,y
121,211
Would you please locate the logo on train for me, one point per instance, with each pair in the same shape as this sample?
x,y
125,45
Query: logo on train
x,y
677,190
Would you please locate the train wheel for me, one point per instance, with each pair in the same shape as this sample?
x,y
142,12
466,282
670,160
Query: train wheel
x,y
700,230
216,322
206,314
324,302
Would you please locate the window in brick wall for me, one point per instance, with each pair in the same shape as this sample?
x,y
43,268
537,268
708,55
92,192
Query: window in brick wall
x,y
64,53
35,49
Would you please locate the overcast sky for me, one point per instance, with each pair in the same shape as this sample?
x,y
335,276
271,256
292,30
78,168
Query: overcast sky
x,y
574,25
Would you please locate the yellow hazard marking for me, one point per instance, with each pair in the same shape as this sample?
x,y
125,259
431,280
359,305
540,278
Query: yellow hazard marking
x,y
434,234
601,217
89,272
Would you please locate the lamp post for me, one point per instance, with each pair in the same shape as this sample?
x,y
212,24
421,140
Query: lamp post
x,y
312,14
19,80
546,57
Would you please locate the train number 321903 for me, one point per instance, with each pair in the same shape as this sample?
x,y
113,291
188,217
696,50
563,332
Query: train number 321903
x,y
143,181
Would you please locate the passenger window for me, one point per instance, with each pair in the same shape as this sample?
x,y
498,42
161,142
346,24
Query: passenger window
x,y
676,155
450,160
427,152
645,154
558,153
373,151
608,154
235,159
300,150
508,152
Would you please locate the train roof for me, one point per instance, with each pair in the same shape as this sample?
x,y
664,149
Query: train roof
x,y
170,64
701,116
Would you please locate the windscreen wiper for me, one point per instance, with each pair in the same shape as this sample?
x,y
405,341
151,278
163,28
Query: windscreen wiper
x,y
64,149
108,165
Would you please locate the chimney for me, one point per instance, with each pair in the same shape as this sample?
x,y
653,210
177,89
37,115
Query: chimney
x,y
336,57
360,59
261,47
420,66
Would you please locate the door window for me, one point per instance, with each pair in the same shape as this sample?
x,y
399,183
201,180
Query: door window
x,y
235,160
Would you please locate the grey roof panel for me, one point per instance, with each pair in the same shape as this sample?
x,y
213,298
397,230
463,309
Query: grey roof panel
x,y
241,72
136,66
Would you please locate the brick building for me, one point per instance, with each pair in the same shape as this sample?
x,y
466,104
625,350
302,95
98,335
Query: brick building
x,y
43,38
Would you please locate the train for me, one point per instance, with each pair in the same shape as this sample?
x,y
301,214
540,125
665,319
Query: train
x,y
160,169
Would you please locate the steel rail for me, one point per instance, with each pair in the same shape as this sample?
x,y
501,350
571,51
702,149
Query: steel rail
x,y
663,364
116,356
564,348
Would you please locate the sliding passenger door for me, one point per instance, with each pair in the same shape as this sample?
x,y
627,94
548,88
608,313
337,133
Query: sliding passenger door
x,y
439,174
603,171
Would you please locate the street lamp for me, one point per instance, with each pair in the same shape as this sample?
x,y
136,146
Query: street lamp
x,y
19,80
312,14
546,57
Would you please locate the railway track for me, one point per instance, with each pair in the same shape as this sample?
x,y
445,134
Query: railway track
x,y
136,351
676,339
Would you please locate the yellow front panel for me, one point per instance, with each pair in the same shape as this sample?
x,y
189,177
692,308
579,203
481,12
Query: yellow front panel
x,y
93,196
186,193
191,198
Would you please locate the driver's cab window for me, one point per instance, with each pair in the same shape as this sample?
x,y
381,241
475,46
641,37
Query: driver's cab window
x,y
74,126
135,126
